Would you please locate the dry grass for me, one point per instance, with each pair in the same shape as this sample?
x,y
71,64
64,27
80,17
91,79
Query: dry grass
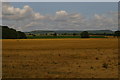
x,y
60,58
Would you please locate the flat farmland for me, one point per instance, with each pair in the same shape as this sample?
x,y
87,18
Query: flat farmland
x,y
60,58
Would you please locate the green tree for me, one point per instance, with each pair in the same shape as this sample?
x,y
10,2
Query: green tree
x,y
117,34
9,33
74,34
55,34
21,35
84,34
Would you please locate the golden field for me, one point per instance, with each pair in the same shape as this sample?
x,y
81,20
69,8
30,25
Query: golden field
x,y
60,58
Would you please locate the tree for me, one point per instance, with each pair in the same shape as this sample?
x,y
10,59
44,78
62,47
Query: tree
x,y
21,35
74,34
117,34
55,34
9,33
84,34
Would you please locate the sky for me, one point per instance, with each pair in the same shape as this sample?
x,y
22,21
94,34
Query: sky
x,y
29,16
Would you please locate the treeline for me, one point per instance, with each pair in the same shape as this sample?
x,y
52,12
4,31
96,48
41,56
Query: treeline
x,y
83,34
10,33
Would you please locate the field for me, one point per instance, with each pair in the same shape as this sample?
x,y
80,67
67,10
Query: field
x,y
61,36
60,58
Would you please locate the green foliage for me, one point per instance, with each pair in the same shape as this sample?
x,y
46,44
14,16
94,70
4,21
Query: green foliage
x,y
21,35
9,33
97,37
51,37
55,34
117,33
74,34
84,34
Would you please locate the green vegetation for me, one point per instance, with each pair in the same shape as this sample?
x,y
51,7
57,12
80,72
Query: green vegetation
x,y
84,34
51,37
117,34
9,33
97,37
48,37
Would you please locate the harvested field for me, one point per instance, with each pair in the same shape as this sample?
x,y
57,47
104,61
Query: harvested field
x,y
60,58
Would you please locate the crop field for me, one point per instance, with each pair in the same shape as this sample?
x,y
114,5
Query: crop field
x,y
60,58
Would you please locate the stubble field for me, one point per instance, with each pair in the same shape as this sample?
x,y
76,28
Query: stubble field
x,y
60,58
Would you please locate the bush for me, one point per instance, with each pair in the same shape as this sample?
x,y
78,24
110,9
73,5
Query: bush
x,y
117,33
84,34
55,34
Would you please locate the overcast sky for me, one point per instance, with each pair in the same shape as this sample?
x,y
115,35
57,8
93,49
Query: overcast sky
x,y
28,16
